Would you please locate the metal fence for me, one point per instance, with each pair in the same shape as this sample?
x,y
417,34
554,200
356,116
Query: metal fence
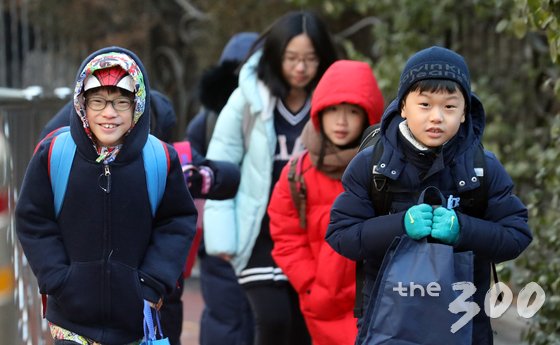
x,y
23,113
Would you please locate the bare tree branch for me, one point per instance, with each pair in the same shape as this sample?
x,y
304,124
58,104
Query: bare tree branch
x,y
368,21
191,10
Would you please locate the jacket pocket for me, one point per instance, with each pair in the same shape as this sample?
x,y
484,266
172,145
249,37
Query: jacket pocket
x,y
126,298
81,296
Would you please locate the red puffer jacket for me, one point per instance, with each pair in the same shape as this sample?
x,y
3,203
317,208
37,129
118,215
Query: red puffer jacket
x,y
324,280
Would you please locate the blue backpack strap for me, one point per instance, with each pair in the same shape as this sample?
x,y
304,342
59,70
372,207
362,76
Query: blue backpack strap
x,y
61,156
156,166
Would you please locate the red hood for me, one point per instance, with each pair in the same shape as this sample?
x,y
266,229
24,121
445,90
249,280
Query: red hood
x,y
347,81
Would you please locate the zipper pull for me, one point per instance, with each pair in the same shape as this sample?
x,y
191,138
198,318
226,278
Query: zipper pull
x,y
106,175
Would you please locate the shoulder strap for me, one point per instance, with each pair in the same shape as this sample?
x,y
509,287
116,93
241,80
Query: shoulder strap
x,y
297,187
61,156
360,280
474,202
379,184
481,193
378,188
156,166
370,136
479,201
51,134
381,201
211,118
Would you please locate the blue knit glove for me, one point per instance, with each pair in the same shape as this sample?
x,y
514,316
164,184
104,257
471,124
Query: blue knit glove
x,y
445,225
418,221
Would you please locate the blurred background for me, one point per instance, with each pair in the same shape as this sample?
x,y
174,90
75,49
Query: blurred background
x,y
512,48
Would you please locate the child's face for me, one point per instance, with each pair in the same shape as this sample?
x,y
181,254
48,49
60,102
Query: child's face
x,y
299,63
343,123
109,125
434,118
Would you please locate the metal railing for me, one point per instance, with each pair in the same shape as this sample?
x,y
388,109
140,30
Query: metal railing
x,y
23,114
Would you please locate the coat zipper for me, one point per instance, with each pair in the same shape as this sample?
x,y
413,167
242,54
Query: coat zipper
x,y
107,245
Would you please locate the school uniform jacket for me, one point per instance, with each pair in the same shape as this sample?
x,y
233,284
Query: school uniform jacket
x,y
105,253
356,232
232,226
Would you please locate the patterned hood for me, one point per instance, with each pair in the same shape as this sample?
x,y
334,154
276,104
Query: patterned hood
x,y
105,58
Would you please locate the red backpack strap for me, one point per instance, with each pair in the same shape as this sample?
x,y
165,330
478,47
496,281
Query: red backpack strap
x,y
297,187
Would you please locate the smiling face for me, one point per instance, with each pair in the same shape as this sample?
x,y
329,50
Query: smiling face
x,y
108,125
299,62
434,117
343,123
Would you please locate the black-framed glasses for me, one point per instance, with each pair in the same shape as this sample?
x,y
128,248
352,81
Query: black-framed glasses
x,y
99,103
309,61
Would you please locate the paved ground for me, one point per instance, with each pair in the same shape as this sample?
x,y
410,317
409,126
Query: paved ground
x,y
508,327
192,308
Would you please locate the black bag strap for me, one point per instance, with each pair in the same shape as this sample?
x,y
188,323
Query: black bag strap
x,y
477,201
381,203
360,280
379,184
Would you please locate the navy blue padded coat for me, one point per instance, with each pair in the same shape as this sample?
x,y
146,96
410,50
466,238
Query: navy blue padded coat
x,y
105,253
356,232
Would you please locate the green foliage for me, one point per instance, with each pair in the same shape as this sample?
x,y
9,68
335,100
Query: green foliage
x,y
542,162
542,260
537,14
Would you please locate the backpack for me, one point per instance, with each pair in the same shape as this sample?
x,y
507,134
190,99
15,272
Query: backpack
x,y
61,156
475,201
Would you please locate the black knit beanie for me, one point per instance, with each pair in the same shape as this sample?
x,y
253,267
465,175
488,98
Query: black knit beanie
x,y
435,63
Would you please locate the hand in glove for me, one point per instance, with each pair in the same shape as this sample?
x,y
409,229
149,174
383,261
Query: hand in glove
x,y
445,225
418,221
199,179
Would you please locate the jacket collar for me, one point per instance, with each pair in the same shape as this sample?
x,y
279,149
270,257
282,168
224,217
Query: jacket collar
x,y
466,142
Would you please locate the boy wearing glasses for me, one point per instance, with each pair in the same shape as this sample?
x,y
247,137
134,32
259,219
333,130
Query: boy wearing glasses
x,y
104,253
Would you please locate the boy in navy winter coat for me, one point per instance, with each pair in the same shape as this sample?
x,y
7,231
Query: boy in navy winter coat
x,y
205,179
430,134
104,253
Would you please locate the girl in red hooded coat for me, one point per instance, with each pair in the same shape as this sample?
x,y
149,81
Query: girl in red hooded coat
x,y
346,101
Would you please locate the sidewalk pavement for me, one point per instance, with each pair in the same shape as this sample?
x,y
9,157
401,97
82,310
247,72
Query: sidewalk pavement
x,y
507,329
192,309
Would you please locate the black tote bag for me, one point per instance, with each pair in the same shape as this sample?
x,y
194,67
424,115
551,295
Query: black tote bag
x,y
406,306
